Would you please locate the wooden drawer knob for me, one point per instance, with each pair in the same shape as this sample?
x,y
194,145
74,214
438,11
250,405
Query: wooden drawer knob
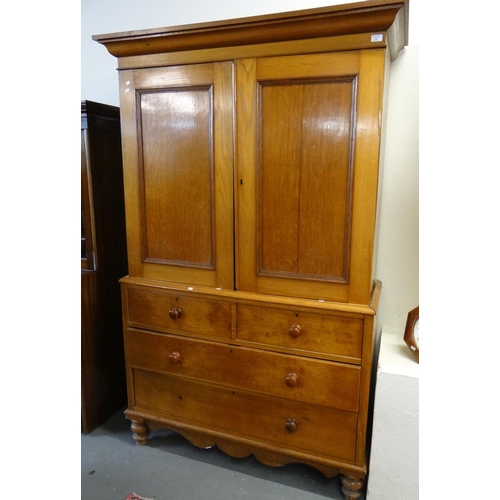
x,y
291,425
175,313
175,357
295,331
292,379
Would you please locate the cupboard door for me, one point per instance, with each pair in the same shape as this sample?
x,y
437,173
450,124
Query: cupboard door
x,y
307,164
178,164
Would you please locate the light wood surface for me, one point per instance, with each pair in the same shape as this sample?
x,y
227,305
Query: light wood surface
x,y
333,21
251,156
249,414
318,382
179,190
306,207
304,331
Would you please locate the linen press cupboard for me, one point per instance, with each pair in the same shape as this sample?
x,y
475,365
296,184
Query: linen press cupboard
x,y
251,152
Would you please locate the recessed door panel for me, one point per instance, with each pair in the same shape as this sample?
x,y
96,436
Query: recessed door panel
x,y
177,167
306,134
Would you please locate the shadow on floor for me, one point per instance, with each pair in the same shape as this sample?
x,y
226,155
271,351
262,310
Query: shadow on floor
x,y
296,475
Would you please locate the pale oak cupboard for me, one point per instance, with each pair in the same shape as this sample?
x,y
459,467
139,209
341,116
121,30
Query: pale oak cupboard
x,y
251,152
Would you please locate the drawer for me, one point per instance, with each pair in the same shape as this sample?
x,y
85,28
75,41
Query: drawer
x,y
285,423
318,333
323,383
154,310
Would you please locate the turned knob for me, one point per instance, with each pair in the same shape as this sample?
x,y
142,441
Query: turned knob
x,y
175,357
295,331
291,425
175,313
292,379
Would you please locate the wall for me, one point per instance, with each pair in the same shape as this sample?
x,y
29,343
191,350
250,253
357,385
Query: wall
x,y
397,256
394,459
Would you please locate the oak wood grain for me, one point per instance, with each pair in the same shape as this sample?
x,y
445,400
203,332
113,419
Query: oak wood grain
x,y
332,334
323,383
292,47
276,301
361,17
251,158
247,414
201,317
301,174
239,446
178,173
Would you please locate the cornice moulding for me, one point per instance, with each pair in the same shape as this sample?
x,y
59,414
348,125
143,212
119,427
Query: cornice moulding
x,y
389,16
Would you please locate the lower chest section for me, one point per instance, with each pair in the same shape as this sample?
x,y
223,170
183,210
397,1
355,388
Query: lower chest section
x,y
284,379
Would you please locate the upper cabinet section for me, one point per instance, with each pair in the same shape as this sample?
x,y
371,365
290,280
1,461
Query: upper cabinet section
x,y
251,149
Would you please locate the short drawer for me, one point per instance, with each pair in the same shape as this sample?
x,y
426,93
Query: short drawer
x,y
289,424
170,312
324,383
319,333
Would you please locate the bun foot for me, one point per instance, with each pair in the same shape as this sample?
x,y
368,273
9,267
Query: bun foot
x,y
351,487
140,432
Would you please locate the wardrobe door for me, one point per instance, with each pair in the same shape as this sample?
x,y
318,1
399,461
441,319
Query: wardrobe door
x,y
307,163
178,161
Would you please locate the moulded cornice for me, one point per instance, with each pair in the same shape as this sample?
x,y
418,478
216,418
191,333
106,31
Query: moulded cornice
x,y
389,16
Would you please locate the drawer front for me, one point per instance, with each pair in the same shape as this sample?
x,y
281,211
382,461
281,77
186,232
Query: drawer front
x,y
291,424
323,383
174,313
319,333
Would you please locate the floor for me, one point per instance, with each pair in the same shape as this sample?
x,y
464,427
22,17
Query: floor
x,y
170,468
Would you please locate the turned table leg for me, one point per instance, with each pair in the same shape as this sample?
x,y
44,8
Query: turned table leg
x,y
141,432
351,486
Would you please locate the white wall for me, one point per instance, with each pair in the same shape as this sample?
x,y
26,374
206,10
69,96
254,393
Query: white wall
x,y
394,458
397,256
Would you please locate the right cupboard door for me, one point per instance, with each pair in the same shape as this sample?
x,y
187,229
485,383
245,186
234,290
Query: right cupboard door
x,y
307,157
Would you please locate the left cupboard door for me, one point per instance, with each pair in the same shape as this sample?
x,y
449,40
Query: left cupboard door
x,y
177,128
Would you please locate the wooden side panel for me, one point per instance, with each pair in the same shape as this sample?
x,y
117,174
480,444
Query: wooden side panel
x,y
366,172
366,383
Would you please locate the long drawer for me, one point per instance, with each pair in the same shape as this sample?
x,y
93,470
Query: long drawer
x,y
319,333
168,311
323,383
291,424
